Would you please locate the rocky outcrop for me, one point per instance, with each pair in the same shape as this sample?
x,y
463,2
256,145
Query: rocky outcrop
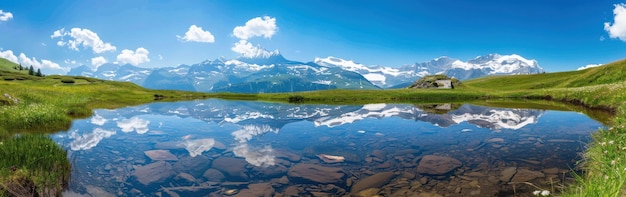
x,y
437,165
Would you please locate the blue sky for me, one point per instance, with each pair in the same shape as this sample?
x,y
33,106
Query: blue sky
x,y
560,35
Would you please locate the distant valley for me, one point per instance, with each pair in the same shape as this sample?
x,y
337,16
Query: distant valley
x,y
269,73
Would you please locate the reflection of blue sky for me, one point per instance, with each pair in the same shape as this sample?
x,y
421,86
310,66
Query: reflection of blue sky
x,y
196,125
257,131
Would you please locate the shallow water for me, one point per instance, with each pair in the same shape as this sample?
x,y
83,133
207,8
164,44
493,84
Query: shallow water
x,y
218,148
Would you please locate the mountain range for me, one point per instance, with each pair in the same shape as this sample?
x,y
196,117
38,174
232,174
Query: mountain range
x,y
273,73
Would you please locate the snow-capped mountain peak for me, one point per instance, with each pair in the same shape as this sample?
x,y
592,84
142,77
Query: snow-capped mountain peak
x,y
375,74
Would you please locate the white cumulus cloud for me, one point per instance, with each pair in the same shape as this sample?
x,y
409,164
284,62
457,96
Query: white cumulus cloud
x,y
5,16
589,66
618,28
133,57
246,49
197,34
8,54
97,61
258,26
32,61
84,37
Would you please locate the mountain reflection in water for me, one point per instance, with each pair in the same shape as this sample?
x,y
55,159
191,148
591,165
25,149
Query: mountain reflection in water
x,y
217,147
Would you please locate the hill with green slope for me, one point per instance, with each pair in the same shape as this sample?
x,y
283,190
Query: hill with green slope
x,y
610,73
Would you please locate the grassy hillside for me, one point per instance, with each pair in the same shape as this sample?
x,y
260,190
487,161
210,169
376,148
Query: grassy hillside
x,y
608,74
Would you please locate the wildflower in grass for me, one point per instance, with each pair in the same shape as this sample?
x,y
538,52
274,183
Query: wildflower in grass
x,y
603,143
541,192
612,162
611,142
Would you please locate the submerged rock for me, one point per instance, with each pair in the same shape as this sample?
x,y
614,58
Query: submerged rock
x,y
437,165
524,175
331,158
507,174
284,154
214,175
348,155
160,155
274,171
316,173
193,165
233,168
185,179
257,189
375,181
154,172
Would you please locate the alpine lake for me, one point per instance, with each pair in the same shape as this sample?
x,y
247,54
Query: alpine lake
x,y
248,148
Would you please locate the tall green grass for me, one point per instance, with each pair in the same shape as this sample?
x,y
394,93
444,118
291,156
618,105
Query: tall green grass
x,y
32,164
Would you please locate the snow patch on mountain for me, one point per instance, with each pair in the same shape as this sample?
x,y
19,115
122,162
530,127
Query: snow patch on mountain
x,y
589,66
491,64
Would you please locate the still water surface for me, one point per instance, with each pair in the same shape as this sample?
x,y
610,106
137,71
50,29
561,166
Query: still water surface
x,y
223,148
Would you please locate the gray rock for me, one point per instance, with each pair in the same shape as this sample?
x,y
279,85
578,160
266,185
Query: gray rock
x,y
269,172
185,178
547,171
507,174
214,175
368,192
287,155
437,165
257,189
524,175
316,173
193,165
233,168
154,172
375,181
160,155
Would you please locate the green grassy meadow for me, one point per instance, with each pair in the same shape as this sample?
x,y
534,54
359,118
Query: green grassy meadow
x,y
32,105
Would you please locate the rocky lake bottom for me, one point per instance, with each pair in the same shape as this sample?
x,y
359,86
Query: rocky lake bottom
x,y
227,148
